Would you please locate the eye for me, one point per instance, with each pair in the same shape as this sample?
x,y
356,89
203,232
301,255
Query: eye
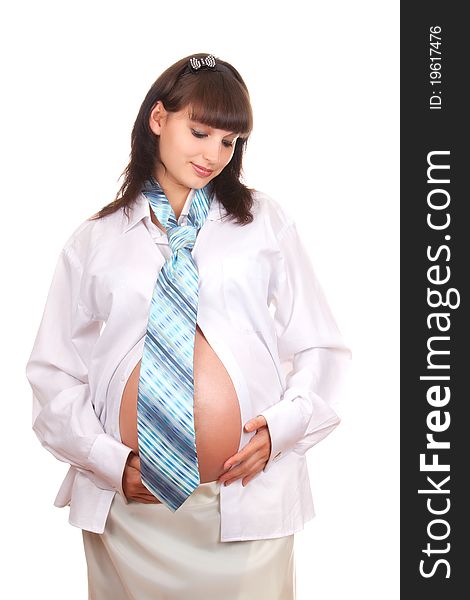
x,y
200,134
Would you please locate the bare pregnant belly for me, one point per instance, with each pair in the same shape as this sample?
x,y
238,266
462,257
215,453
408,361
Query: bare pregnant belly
x,y
217,419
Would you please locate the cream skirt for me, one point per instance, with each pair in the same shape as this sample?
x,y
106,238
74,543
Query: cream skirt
x,y
147,552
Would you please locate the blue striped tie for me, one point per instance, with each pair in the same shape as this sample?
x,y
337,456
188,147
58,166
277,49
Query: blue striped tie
x,y
165,401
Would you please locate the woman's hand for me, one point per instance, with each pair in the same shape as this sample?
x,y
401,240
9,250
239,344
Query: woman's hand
x,y
253,457
132,485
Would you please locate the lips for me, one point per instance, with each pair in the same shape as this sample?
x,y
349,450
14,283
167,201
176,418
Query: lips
x,y
201,170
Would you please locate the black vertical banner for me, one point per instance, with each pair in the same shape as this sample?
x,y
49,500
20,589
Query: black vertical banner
x,y
435,269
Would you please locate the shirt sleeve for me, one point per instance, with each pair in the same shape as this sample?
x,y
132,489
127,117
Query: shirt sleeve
x,y
309,339
64,419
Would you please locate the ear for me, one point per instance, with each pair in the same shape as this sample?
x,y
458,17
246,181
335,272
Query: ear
x,y
156,116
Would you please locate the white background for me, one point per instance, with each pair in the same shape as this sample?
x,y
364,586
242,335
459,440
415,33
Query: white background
x,y
323,78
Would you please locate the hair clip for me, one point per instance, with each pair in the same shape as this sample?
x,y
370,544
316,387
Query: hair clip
x,y
195,64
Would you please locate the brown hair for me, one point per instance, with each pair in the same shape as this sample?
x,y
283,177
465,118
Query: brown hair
x,y
218,98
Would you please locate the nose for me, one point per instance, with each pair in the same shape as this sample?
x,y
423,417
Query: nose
x,y
212,152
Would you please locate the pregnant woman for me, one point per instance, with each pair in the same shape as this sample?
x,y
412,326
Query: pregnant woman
x,y
216,412
186,361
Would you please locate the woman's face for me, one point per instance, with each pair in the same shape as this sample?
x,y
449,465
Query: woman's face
x,y
186,145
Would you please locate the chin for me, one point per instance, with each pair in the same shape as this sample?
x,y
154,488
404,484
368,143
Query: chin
x,y
200,183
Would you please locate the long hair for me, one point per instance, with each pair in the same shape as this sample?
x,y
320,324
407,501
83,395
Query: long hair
x,y
219,99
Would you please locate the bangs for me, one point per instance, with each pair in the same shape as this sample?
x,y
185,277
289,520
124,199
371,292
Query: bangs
x,y
220,102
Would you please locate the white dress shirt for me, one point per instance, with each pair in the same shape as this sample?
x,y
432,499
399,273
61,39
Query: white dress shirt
x,y
261,309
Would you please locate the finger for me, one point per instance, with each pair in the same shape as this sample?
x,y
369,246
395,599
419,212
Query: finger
x,y
140,491
135,461
241,470
149,498
247,475
145,499
253,446
259,452
232,473
246,480
255,423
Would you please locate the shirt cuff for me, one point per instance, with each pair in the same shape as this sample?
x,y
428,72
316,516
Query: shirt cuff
x,y
107,459
299,414
285,425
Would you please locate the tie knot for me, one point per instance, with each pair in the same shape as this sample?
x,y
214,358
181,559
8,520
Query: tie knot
x,y
181,236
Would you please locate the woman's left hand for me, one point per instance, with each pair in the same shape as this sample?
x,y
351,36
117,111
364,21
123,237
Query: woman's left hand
x,y
253,457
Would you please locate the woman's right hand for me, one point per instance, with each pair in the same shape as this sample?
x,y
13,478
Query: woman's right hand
x,y
132,485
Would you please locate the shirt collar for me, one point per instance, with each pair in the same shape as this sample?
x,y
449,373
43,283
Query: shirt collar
x,y
140,209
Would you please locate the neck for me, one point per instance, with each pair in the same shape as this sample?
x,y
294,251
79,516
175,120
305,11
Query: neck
x,y
175,192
